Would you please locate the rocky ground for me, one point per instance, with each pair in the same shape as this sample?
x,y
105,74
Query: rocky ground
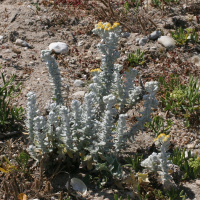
x,y
41,24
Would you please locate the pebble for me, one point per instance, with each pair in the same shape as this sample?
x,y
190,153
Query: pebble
x,y
98,58
7,51
190,146
21,43
32,63
15,50
196,60
190,37
58,47
86,58
78,83
125,34
198,182
155,35
14,56
153,48
143,41
167,41
137,40
78,94
81,43
72,61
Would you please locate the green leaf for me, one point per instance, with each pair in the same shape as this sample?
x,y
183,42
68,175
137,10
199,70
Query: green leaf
x,y
116,197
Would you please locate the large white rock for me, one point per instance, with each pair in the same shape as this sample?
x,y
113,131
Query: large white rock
x,y
167,41
58,47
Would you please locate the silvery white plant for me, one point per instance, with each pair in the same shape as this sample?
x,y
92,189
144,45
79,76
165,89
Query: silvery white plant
x,y
66,136
149,103
105,134
120,139
31,112
108,79
158,162
89,118
54,73
92,125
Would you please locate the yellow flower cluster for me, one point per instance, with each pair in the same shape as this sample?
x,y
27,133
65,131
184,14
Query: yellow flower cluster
x,y
106,26
96,70
162,137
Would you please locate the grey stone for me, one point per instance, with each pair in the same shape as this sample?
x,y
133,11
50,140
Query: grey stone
x,y
125,34
58,47
78,83
143,41
155,35
21,43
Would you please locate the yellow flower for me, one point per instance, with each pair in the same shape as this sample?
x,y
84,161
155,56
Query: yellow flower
x,y
96,70
165,139
167,136
161,135
155,139
108,25
102,26
116,23
98,27
114,26
100,23
187,114
106,29
117,107
110,28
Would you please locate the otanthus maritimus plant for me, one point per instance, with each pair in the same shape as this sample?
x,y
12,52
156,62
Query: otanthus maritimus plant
x,y
108,78
91,128
158,162
54,74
